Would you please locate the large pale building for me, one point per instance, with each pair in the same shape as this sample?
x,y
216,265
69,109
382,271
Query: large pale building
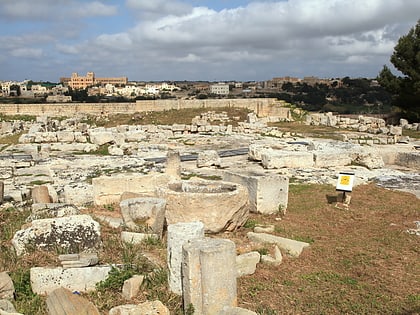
x,y
82,82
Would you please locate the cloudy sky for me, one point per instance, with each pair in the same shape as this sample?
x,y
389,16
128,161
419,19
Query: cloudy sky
x,y
214,40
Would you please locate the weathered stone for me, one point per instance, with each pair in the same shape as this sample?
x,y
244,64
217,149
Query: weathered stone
x,y
246,264
188,201
52,210
208,158
108,189
408,159
150,211
1,192
178,235
101,137
63,302
173,164
255,151
281,159
264,228
146,308
78,194
40,194
276,260
7,288
73,233
113,222
369,160
267,194
131,287
291,247
45,280
78,260
136,238
331,158
209,275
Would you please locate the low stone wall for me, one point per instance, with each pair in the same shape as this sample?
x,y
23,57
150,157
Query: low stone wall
x,y
261,106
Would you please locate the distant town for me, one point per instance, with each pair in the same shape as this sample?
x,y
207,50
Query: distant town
x,y
312,93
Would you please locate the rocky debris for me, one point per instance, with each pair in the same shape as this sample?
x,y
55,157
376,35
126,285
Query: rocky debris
x,y
131,287
369,160
235,311
40,194
7,289
73,233
136,238
63,302
78,260
270,260
147,210
246,264
146,308
291,247
208,158
415,231
45,280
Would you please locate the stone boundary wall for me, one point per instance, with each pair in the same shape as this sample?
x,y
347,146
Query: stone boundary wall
x,y
261,106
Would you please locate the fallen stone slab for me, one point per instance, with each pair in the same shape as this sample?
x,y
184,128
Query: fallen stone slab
x,y
146,308
131,286
276,260
291,247
45,280
281,159
78,260
52,210
246,264
73,233
136,238
63,302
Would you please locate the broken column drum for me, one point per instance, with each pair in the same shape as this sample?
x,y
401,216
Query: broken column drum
x,y
221,206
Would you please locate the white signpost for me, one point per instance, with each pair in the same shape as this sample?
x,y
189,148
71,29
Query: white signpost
x,y
345,184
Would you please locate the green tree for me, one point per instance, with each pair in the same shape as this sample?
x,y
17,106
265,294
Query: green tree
x,y
405,89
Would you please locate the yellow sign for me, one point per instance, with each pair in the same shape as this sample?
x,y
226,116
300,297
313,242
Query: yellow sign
x,y
345,181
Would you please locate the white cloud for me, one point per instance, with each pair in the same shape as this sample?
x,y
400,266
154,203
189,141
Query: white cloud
x,y
27,52
158,7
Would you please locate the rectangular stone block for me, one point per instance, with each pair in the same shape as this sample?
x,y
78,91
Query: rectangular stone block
x,y
282,159
331,159
267,193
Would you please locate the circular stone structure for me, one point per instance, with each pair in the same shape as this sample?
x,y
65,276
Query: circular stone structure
x,y
220,206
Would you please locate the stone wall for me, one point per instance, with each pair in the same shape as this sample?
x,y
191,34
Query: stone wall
x,y
262,106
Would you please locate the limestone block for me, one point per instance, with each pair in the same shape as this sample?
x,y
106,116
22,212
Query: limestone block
x,y
115,150
209,275
178,235
408,159
65,136
63,302
101,137
78,193
370,160
45,280
146,308
135,135
79,137
208,158
291,247
246,264
173,164
282,159
131,286
40,194
195,200
7,288
331,158
395,130
108,189
136,238
52,210
73,233
41,137
78,260
150,211
236,311
255,151
276,260
267,193
110,221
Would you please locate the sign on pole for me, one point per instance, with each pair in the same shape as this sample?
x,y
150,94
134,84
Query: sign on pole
x,y
345,181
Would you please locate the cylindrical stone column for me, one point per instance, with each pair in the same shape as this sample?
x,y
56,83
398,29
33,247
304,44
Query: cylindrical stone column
x,y
179,234
209,275
40,194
